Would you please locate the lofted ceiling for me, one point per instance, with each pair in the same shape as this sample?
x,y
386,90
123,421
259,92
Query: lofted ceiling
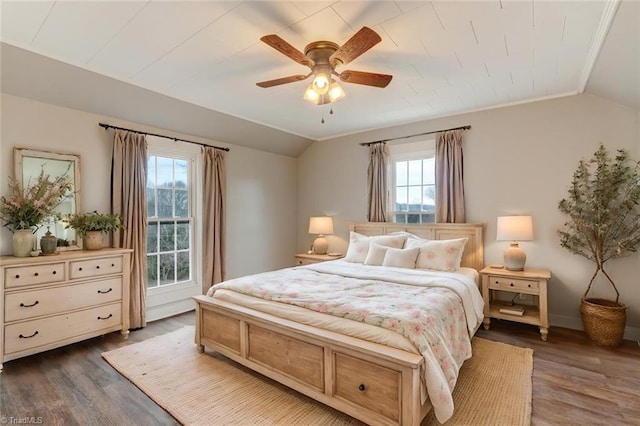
x,y
446,57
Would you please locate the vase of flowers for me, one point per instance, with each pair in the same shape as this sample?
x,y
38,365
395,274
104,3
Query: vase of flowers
x,y
24,210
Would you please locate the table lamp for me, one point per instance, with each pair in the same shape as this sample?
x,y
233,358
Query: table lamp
x,y
514,228
321,225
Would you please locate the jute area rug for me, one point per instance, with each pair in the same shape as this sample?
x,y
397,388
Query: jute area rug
x,y
494,387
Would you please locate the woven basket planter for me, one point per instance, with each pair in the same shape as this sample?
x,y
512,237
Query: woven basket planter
x,y
603,321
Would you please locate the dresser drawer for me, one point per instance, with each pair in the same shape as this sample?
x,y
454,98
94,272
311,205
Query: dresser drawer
x,y
300,261
33,274
31,334
34,303
368,385
95,267
501,283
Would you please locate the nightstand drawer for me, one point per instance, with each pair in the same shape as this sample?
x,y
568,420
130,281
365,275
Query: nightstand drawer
x,y
305,261
502,283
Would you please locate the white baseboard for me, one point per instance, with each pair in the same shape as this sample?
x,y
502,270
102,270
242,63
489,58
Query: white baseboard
x,y
575,323
170,309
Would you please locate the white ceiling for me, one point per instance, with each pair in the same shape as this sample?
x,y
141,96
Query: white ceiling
x,y
446,57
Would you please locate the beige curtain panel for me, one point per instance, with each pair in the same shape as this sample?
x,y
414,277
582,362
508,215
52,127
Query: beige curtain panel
x,y
128,198
449,182
213,244
377,182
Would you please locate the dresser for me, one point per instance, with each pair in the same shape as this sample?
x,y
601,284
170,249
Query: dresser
x,y
52,301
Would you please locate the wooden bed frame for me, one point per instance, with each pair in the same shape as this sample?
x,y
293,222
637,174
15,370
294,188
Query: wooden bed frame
x,y
371,382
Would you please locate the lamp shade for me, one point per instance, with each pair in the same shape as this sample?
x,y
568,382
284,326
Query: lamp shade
x,y
321,225
514,228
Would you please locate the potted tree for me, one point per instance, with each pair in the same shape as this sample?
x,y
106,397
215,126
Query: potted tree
x,y
91,227
603,224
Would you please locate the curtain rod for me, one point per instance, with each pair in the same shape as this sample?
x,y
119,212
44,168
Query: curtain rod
x,y
418,134
109,126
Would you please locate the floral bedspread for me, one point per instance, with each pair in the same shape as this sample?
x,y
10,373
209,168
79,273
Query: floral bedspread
x,y
437,312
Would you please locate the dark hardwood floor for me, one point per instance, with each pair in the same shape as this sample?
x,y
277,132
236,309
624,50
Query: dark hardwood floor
x,y
574,382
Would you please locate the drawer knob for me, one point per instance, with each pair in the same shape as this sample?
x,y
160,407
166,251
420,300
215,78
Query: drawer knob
x,y
105,292
362,387
22,305
17,276
529,285
104,318
511,284
80,268
54,272
113,265
28,337
35,274
98,267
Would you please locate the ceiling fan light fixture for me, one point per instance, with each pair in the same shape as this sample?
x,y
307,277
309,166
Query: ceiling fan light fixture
x,y
321,82
336,92
311,95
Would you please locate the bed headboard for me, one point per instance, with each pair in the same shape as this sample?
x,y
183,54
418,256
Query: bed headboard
x,y
473,256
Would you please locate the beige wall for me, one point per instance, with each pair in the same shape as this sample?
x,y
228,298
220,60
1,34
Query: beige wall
x,y
261,197
518,160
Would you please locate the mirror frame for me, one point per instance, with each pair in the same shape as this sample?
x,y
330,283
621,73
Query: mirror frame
x,y
19,154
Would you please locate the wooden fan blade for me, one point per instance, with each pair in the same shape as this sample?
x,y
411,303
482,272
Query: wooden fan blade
x,y
361,41
286,49
366,78
283,80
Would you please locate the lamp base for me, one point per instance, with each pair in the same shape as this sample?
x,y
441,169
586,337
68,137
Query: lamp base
x,y
320,245
514,258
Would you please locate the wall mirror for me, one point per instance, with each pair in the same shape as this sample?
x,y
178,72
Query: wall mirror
x,y
27,166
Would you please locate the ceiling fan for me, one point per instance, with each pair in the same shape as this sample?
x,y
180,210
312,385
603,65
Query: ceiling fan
x,y
322,57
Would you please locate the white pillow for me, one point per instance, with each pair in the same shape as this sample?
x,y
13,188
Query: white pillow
x,y
375,257
404,234
359,245
441,255
401,258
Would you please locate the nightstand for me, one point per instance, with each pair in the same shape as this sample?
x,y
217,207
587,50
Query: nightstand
x,y
307,259
529,281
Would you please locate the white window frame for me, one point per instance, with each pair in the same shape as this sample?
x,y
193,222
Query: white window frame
x,y
172,299
417,150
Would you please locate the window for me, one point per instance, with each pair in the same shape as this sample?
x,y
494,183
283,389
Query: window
x,y
170,224
174,173
413,189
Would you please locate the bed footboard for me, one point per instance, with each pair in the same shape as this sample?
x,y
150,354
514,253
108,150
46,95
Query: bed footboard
x,y
374,383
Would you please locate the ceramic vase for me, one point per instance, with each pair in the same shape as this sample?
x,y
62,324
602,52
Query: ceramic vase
x,y
24,240
48,243
93,240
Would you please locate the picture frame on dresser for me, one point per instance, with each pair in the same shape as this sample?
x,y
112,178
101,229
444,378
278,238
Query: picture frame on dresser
x,y
52,301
